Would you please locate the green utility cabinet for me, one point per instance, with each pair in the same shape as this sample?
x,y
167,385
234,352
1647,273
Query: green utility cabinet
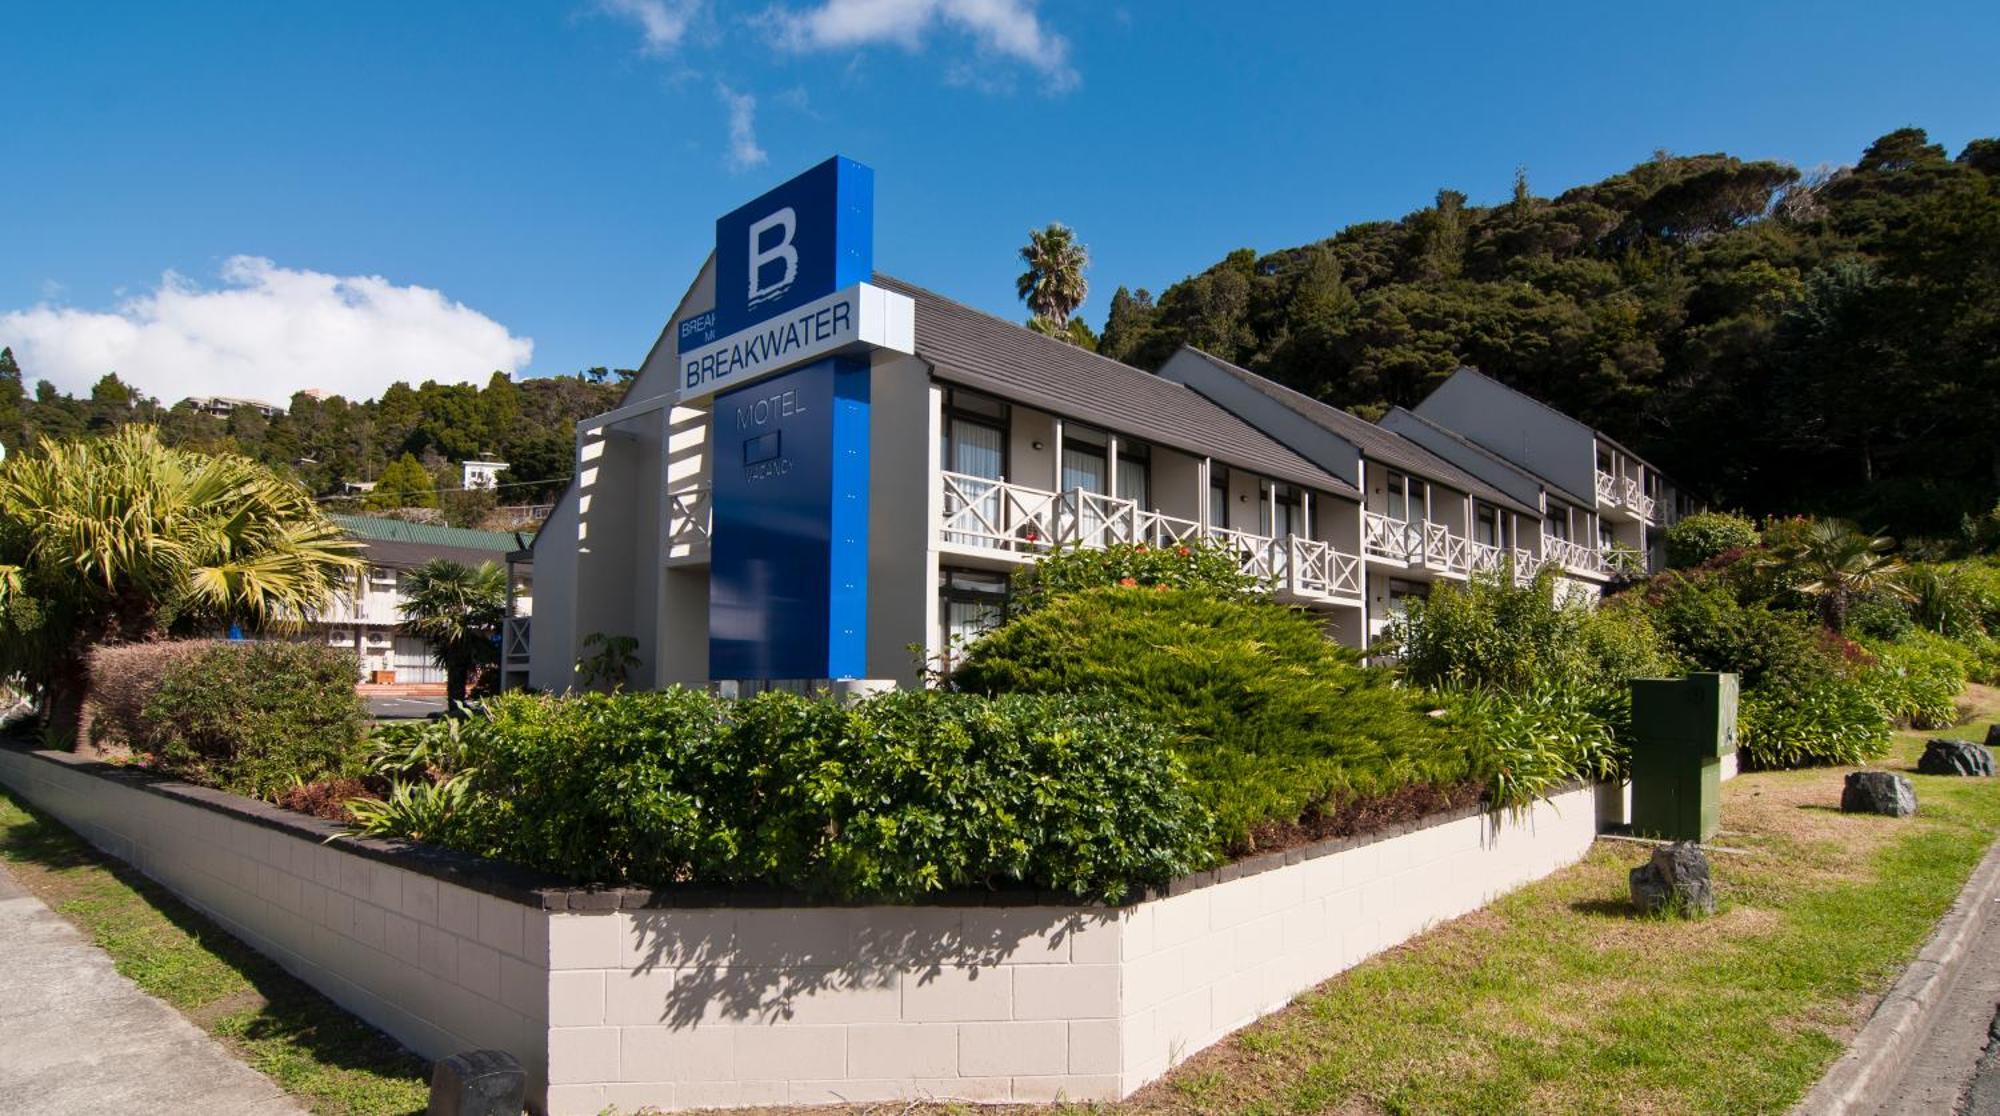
x,y
1681,728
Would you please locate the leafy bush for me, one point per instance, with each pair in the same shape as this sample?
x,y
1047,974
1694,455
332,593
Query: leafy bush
x,y
1706,536
1707,628
253,718
1276,723
1917,681
1495,634
1538,739
1950,600
1825,721
123,679
1207,566
890,798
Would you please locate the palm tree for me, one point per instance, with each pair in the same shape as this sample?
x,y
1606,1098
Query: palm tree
x,y
1833,561
1053,286
457,609
125,539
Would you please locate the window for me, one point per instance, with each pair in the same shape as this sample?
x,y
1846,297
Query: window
x,y
970,603
1557,524
1134,474
1083,461
1486,524
1409,498
1402,592
975,435
1604,539
1604,461
1218,497
1281,517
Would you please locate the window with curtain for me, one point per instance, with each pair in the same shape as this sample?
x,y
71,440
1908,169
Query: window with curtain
x,y
975,448
1486,525
972,603
1135,475
1218,498
1083,467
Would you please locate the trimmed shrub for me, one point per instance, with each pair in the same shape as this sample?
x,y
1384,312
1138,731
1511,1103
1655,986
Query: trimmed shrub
x,y
1705,536
254,718
889,799
1707,628
123,679
1825,721
1206,566
1277,724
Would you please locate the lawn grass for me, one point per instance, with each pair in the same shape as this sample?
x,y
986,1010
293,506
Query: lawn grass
x,y
1556,999
328,1059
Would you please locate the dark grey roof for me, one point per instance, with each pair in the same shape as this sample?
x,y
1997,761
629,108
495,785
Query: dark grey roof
x,y
1499,461
1375,443
978,350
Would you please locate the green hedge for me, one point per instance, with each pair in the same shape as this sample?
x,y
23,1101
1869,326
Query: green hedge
x,y
255,718
888,799
1203,566
1276,722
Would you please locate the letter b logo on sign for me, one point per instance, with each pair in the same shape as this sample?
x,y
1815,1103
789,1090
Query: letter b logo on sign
x,y
764,252
799,242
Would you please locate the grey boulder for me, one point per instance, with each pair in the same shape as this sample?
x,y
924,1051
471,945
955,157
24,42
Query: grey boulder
x,y
478,1083
1675,879
1944,756
1878,792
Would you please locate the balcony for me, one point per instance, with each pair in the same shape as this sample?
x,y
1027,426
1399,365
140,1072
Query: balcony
x,y
1430,546
1575,557
1636,499
1609,491
992,519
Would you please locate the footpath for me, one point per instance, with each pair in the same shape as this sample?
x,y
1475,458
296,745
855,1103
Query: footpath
x,y
76,1037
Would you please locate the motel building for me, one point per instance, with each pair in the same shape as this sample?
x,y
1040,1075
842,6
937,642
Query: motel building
x,y
820,467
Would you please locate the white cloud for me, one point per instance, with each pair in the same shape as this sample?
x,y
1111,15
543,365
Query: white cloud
x,y
1006,28
664,23
743,150
265,333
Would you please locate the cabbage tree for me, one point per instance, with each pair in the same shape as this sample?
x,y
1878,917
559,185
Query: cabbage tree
x,y
457,609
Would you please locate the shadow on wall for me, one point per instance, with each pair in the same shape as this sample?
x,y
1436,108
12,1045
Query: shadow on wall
x,y
765,966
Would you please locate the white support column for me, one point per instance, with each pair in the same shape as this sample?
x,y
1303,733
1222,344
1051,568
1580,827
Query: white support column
x,y
1111,466
1205,499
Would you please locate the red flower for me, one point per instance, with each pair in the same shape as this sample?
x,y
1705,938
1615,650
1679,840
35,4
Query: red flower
x,y
1160,588
1182,551
1128,582
1140,549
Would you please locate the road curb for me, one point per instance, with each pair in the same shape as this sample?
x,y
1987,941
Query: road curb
x,y
1880,1053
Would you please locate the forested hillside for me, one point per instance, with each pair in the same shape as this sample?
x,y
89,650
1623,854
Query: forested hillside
x,y
1783,342
407,444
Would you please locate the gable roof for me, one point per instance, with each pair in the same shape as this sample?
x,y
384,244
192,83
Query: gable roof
x,y
1488,455
978,350
1375,443
396,542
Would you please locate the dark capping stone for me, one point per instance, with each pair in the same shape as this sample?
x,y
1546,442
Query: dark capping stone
x,y
1945,756
1675,879
478,1083
1878,792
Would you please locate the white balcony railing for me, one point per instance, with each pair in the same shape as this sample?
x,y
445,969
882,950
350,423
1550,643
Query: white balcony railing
x,y
1575,557
1001,519
515,632
688,522
1636,499
1607,488
1434,546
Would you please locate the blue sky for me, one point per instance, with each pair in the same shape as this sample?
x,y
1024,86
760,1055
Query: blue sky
x,y
228,197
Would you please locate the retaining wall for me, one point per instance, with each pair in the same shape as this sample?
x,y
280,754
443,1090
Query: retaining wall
x,y
694,998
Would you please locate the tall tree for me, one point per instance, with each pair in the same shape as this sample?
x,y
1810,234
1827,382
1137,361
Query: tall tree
x,y
1053,286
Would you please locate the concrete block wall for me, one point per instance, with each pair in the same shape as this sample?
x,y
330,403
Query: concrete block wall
x,y
626,1000
441,967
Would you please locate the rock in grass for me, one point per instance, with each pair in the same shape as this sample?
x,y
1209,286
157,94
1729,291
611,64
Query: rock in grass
x,y
478,1083
1675,880
1992,737
1878,792
1943,756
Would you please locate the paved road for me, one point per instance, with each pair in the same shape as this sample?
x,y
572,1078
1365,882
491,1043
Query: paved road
x,y
77,1038
1941,1077
404,708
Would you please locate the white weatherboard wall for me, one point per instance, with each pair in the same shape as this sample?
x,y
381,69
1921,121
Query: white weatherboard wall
x,y
699,1006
